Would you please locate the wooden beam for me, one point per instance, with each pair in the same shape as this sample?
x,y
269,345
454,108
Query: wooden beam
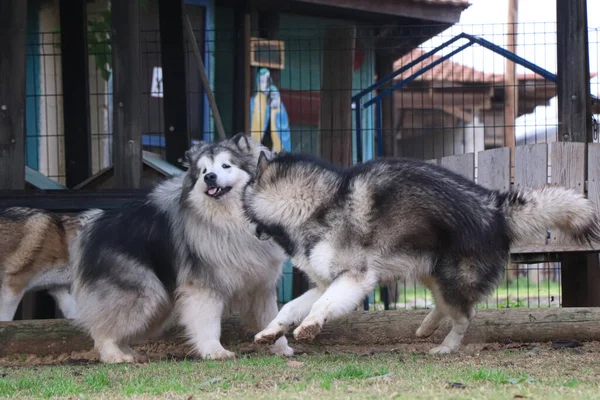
x,y
242,77
511,91
45,337
127,131
13,53
175,104
335,123
449,13
70,200
573,72
76,93
580,272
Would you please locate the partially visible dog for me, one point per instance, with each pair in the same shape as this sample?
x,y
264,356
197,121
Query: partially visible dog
x,y
390,219
34,255
187,247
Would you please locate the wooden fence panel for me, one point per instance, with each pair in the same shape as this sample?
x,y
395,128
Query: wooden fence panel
x,y
568,170
494,168
531,170
463,164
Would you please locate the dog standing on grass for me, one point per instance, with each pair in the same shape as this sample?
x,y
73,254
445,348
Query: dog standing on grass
x,y
34,255
390,219
186,247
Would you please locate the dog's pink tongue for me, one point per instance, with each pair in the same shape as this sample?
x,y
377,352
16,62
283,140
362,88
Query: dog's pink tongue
x,y
212,191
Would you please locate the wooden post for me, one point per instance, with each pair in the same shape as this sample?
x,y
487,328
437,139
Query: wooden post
x,y
241,80
511,82
13,54
335,119
76,95
580,273
127,135
172,56
13,35
384,65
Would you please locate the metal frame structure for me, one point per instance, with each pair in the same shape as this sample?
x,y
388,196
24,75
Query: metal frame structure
x,y
358,106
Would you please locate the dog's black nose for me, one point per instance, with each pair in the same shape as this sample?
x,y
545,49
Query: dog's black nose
x,y
211,177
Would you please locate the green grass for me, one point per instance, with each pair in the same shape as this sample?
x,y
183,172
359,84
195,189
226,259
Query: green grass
x,y
549,374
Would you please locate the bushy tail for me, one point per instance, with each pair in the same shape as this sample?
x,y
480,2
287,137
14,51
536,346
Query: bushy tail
x,y
532,212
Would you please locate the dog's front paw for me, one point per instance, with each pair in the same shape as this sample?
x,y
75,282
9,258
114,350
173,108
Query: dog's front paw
x,y
220,354
282,350
269,335
441,350
307,332
117,358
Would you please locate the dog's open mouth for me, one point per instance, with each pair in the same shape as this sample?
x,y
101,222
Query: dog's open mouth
x,y
217,191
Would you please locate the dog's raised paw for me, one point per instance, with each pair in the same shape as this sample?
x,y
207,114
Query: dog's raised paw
x,y
267,336
423,333
307,332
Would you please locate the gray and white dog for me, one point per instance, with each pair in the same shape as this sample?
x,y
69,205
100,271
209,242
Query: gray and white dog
x,y
187,247
389,219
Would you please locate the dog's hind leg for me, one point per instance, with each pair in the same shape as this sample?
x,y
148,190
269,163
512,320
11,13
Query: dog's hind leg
x,y
65,301
290,314
340,298
200,310
434,318
116,314
259,311
9,302
452,341
456,291
431,322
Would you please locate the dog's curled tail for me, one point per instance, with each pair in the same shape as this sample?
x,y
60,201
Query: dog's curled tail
x,y
532,212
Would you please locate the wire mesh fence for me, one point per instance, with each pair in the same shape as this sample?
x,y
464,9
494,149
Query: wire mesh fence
x,y
302,79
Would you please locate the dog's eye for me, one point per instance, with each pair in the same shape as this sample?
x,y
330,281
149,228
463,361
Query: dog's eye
x,y
225,166
204,171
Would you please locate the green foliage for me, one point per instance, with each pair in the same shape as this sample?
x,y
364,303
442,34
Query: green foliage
x,y
99,43
99,40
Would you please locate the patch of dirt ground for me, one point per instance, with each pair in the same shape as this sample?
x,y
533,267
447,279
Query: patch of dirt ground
x,y
164,350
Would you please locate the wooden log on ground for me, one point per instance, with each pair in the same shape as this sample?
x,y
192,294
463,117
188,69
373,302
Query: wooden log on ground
x,y
45,337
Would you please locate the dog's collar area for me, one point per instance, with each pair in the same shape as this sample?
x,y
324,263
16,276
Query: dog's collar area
x,y
217,191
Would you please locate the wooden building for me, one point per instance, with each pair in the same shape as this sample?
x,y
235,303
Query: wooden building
x,y
94,116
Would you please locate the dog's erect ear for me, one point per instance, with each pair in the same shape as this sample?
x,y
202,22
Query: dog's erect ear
x,y
263,163
192,154
241,141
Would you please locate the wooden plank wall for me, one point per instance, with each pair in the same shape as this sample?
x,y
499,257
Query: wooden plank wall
x,y
531,170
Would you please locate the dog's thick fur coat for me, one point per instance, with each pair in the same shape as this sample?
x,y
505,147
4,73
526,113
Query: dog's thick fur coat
x,y
188,248
390,219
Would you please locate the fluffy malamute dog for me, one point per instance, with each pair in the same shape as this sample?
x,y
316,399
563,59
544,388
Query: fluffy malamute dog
x,y
390,219
34,255
187,247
